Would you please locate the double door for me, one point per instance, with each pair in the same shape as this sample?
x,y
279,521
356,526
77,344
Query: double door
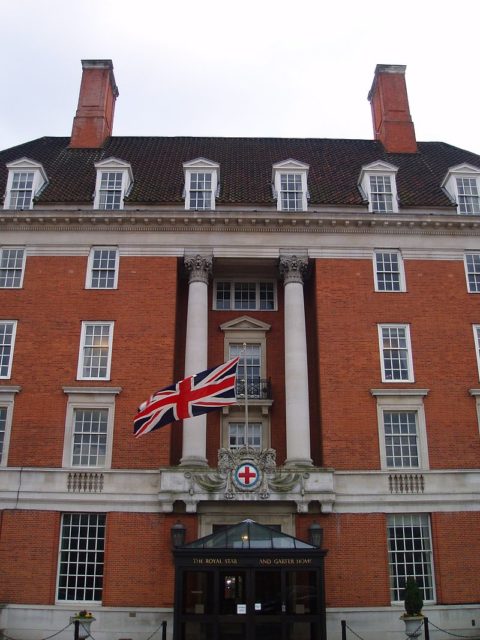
x,y
250,604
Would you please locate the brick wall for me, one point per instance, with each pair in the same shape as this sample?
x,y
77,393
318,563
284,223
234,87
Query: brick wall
x,y
356,565
440,313
50,309
28,549
457,560
139,568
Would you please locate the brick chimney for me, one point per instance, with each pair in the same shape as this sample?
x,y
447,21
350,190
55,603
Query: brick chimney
x,y
93,122
392,123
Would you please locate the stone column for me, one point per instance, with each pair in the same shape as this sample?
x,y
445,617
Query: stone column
x,y
292,269
196,354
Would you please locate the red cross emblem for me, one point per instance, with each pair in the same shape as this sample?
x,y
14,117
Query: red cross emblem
x,y
247,475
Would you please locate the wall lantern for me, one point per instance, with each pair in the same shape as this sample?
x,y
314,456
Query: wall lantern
x,y
315,532
178,534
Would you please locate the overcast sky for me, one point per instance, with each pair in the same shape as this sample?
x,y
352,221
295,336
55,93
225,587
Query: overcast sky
x,y
289,68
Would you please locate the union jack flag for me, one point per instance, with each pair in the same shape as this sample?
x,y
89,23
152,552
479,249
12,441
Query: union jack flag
x,y
197,394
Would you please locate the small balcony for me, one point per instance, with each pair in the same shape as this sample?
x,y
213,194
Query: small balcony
x,y
256,389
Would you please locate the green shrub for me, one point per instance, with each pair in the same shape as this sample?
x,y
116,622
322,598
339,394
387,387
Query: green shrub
x,y
413,598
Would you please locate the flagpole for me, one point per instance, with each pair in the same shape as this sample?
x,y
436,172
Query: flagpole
x,y
246,391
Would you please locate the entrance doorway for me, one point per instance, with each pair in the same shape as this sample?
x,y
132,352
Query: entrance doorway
x,y
243,593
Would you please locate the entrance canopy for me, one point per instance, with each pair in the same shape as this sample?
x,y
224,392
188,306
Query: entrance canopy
x,y
249,582
249,535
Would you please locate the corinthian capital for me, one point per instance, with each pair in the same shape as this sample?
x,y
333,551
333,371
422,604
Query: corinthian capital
x,y
199,268
292,268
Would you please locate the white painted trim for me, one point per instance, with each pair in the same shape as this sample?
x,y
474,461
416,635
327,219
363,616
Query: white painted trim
x,y
12,350
401,270
113,165
450,186
411,377
7,400
403,400
294,167
88,398
88,277
17,247
201,165
234,281
477,253
86,323
378,168
25,165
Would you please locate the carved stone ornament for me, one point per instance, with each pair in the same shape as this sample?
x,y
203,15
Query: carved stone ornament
x,y
293,268
246,470
199,268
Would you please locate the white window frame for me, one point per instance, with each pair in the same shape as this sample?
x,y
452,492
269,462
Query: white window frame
x,y
406,327
290,167
473,273
378,169
450,184
402,400
475,393
3,251
112,165
245,329
241,423
84,519
7,401
240,281
88,398
401,270
476,338
12,348
90,268
81,353
24,165
405,521
201,165
254,354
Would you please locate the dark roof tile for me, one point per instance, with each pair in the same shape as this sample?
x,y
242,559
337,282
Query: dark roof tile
x,y
245,168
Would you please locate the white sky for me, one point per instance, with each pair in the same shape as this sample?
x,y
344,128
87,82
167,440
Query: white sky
x,y
292,68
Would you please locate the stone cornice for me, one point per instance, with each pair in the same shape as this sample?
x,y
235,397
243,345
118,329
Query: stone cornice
x,y
427,223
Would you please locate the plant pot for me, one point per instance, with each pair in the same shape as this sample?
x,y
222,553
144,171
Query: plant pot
x,y
413,625
83,626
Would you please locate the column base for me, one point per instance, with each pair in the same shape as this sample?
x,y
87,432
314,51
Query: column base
x,y
193,461
298,463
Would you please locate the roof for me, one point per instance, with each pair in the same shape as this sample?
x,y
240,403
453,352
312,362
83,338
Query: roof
x,y
245,168
249,535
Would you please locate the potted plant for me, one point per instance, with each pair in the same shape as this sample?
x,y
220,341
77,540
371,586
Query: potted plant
x,y
82,621
413,616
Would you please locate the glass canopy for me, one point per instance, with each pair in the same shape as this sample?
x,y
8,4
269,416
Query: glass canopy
x,y
249,535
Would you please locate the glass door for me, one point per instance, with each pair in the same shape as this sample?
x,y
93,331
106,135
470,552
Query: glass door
x,y
251,604
233,605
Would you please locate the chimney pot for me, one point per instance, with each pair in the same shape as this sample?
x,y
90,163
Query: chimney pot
x,y
392,122
93,122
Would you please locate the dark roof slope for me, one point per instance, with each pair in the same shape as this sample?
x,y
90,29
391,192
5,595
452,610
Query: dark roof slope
x,y
245,168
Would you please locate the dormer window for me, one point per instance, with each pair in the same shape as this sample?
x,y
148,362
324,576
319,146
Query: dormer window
x,y
378,185
468,199
114,181
461,184
26,178
201,184
289,179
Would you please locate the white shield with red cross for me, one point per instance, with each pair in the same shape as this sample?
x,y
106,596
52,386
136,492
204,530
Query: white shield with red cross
x,y
246,476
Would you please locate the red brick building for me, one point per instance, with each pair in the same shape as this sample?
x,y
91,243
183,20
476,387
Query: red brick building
x,y
349,269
